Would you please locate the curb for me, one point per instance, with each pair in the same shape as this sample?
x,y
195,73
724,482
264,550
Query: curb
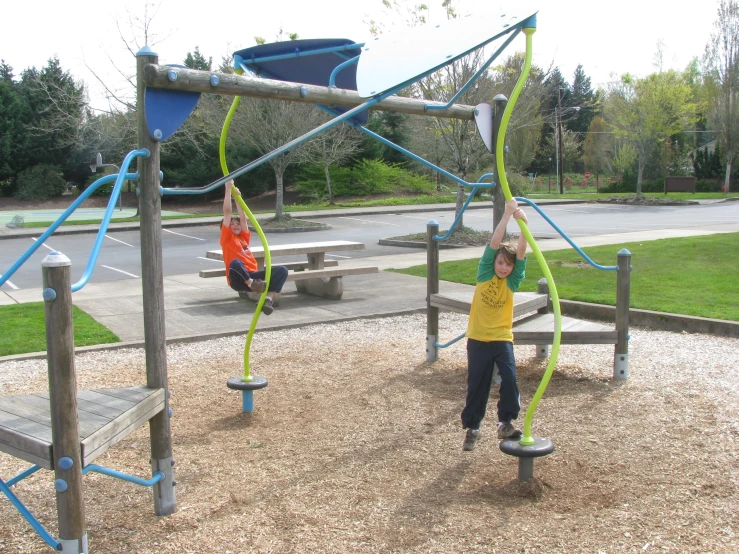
x,y
185,339
661,321
416,244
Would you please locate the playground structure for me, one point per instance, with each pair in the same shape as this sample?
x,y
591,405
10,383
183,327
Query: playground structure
x,y
168,95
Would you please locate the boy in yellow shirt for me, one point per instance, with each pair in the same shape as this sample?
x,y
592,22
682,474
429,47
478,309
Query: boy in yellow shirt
x,y
489,332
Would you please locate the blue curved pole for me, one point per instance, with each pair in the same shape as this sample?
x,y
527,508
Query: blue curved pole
x,y
339,68
467,203
282,149
482,70
62,218
158,476
566,237
144,153
28,516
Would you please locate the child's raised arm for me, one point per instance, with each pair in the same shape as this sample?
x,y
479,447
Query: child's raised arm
x,y
522,243
227,209
499,232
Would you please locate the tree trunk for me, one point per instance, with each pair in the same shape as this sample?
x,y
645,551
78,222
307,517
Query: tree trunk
x,y
328,183
458,207
727,179
279,196
640,174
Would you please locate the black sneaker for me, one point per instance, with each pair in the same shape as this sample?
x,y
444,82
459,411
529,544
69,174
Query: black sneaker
x,y
470,439
257,285
508,431
267,308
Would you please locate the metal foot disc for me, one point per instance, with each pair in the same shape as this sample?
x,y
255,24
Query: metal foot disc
x,y
541,447
256,383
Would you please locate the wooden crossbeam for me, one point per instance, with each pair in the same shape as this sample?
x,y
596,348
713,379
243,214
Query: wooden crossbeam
x,y
194,80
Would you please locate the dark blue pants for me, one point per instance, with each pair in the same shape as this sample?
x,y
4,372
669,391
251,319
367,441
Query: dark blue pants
x,y
480,359
238,276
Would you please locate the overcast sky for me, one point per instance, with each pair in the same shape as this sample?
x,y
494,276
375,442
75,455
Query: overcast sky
x,y
607,38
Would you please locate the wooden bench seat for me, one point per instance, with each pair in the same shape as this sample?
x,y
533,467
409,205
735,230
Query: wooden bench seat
x,y
291,266
316,275
105,416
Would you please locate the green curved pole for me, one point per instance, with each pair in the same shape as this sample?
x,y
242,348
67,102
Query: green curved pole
x,y
267,256
526,439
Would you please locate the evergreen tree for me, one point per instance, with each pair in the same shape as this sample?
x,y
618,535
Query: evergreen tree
x,y
584,98
11,131
195,60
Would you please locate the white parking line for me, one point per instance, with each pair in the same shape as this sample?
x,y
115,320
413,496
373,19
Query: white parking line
x,y
441,216
370,221
209,259
43,244
180,234
337,256
11,285
111,238
121,271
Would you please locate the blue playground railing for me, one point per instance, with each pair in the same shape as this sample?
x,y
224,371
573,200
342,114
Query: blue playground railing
x,y
28,516
119,179
547,219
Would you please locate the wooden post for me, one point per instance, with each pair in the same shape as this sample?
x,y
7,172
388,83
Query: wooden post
x,y
70,507
500,102
542,287
432,287
153,293
623,288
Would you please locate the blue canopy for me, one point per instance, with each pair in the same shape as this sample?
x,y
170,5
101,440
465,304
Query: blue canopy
x,y
308,61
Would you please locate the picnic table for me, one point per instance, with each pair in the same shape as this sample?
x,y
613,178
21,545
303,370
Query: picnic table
x,y
315,275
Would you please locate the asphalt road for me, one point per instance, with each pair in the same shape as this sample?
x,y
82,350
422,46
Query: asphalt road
x,y
185,247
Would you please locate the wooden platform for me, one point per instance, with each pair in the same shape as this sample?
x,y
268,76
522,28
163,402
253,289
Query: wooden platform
x,y
105,417
537,328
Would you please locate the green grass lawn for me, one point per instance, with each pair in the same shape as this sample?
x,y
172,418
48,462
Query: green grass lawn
x,y
24,329
695,276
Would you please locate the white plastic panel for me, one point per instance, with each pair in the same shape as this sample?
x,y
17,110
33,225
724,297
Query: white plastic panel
x,y
389,60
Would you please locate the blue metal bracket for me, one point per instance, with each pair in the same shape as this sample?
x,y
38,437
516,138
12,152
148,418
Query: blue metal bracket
x,y
166,110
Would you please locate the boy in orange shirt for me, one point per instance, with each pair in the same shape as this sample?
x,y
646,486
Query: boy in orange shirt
x,y
242,271
489,332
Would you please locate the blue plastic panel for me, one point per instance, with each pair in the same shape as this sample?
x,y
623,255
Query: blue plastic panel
x,y
402,57
167,110
303,67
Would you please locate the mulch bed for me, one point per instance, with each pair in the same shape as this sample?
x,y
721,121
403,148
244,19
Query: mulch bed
x,y
355,446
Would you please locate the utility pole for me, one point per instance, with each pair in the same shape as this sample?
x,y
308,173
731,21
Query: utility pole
x,y
560,160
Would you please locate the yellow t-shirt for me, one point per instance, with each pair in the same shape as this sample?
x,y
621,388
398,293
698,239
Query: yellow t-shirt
x,y
491,315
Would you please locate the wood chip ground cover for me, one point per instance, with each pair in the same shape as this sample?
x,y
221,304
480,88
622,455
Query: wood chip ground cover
x,y
355,446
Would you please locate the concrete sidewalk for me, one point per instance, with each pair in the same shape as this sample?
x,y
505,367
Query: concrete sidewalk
x,y
196,308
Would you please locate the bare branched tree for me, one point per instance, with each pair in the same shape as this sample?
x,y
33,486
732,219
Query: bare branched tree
x,y
721,70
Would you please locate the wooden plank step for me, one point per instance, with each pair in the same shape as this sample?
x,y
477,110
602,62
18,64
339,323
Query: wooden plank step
x,y
125,423
460,302
291,266
539,329
105,417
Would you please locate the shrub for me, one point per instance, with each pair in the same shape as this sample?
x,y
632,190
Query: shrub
x,y
708,185
40,182
415,183
368,177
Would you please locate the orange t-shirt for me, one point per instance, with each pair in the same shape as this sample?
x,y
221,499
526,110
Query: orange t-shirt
x,y
237,246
